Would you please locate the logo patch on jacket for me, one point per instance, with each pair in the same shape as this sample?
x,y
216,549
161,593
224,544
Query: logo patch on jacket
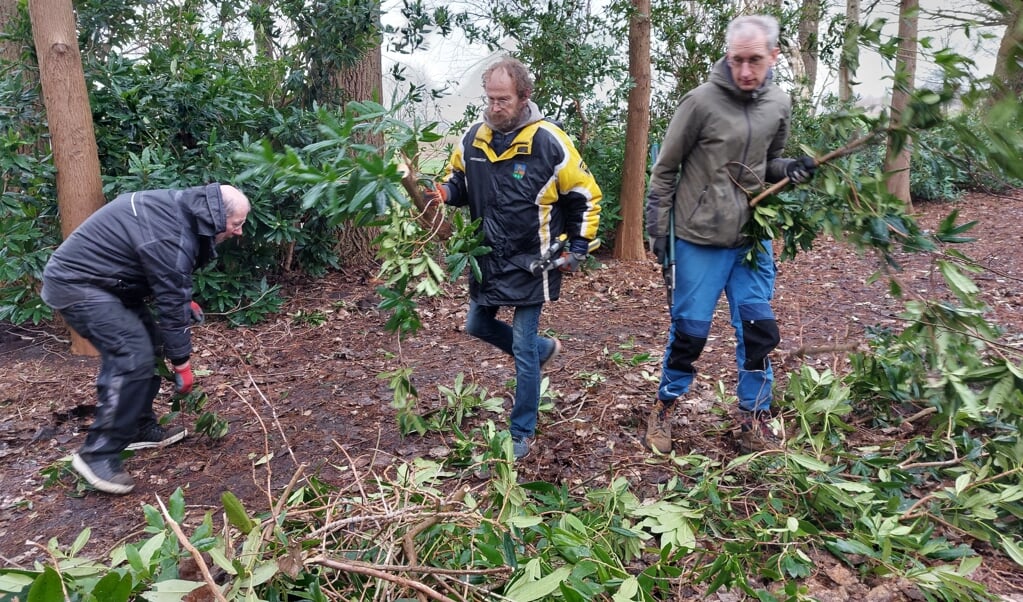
x,y
519,171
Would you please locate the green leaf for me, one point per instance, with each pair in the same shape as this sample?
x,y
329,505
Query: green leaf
x,y
525,590
15,582
809,463
1012,548
113,587
171,590
47,587
235,511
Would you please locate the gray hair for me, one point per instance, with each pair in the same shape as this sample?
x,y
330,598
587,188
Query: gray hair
x,y
234,200
747,25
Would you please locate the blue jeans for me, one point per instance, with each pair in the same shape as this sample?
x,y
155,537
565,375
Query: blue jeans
x,y
526,346
702,273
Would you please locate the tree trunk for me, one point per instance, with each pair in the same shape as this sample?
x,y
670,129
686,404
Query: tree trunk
x,y
262,23
79,190
809,47
850,51
629,236
363,81
10,50
898,155
1008,73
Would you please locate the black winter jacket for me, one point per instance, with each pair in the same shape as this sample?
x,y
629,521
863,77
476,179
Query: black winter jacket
x,y
141,245
525,194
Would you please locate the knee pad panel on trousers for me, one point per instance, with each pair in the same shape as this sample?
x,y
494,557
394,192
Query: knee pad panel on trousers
x,y
685,349
759,337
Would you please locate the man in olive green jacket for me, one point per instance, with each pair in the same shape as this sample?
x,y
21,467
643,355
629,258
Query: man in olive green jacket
x,y
723,143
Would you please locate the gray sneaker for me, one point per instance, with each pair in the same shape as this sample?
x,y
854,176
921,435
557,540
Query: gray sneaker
x,y
520,447
105,474
157,436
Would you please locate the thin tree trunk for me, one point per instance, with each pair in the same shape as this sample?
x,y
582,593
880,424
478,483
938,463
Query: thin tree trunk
x,y
10,50
897,157
850,51
364,81
629,236
809,48
79,190
262,23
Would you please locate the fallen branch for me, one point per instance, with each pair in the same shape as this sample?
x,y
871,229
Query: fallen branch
x,y
379,574
839,152
196,554
408,543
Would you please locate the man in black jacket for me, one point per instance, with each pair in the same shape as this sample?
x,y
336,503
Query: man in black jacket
x,y
141,246
522,177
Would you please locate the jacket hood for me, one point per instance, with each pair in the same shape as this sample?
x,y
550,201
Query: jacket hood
x,y
205,203
528,117
721,75
207,207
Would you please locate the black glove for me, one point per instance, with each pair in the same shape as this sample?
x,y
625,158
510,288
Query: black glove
x,y
659,246
801,170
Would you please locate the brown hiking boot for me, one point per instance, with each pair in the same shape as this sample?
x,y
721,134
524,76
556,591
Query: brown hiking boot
x,y
755,434
658,428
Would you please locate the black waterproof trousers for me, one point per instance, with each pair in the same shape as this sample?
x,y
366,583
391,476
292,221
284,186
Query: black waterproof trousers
x,y
129,346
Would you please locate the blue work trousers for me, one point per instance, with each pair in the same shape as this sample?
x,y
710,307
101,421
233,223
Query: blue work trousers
x,y
523,343
702,273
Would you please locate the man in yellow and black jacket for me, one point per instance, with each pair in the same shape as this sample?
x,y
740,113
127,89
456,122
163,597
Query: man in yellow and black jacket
x,y
522,177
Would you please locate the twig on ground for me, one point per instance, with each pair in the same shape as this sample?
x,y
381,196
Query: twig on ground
x,y
196,554
379,574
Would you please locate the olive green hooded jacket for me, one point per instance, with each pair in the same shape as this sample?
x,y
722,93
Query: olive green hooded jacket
x,y
722,147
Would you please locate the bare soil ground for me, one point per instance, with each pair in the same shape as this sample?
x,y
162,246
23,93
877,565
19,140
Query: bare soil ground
x,y
308,392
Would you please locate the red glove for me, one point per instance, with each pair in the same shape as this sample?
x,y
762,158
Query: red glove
x,y
197,316
183,379
438,195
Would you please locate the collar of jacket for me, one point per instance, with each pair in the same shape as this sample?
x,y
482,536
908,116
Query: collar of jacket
x,y
522,144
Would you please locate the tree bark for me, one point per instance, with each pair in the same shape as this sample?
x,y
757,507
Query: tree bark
x,y
363,81
66,98
1008,73
629,235
809,47
898,155
850,51
10,50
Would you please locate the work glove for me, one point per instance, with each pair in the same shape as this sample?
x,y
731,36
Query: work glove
x,y
570,262
801,170
438,195
659,245
578,249
183,379
197,316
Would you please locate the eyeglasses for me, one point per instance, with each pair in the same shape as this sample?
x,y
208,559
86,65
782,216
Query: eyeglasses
x,y
498,102
753,61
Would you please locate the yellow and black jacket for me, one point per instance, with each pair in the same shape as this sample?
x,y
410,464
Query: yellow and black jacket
x,y
527,188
